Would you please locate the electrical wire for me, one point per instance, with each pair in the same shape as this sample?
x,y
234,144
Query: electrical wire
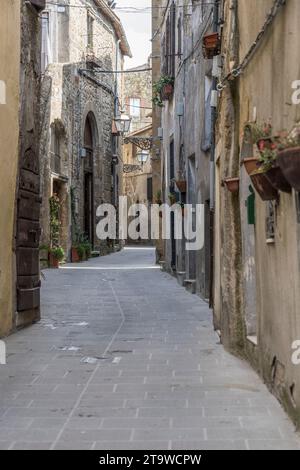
x,y
130,9
237,71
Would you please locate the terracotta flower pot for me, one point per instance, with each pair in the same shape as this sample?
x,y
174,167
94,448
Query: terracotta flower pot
x,y
232,184
53,262
278,180
251,164
289,162
167,92
74,255
211,45
181,185
263,186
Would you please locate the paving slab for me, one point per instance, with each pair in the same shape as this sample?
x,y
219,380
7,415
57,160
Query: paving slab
x,y
125,358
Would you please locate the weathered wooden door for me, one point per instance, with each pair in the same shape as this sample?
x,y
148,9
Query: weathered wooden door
x,y
28,236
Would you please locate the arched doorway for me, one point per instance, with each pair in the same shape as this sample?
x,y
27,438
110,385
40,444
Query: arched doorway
x,y
89,144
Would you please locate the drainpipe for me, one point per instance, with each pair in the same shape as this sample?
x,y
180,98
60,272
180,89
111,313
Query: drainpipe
x,y
116,112
116,78
212,166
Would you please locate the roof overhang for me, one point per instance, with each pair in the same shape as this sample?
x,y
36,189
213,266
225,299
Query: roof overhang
x,y
117,25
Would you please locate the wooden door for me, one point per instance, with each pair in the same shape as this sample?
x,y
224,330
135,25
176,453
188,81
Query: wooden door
x,y
28,235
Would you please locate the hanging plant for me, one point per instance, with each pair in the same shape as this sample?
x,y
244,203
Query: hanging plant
x,y
256,132
288,157
211,45
162,90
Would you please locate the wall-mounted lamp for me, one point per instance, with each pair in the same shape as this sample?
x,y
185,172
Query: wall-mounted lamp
x,y
142,156
122,124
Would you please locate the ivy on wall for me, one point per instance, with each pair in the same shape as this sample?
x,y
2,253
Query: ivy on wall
x,y
55,223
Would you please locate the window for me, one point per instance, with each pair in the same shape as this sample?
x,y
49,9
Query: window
x,y
46,44
169,44
179,40
56,159
270,222
206,138
135,107
90,31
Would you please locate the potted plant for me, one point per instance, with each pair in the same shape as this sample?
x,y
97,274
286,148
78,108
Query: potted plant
x,y
75,258
251,164
263,186
163,90
181,185
56,254
81,252
211,45
288,158
232,184
255,134
88,249
266,176
268,161
259,178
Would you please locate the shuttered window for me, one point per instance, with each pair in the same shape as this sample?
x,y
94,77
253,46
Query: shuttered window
x,y
206,137
169,43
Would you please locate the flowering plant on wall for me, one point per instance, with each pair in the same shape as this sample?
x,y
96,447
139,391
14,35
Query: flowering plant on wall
x,y
288,157
162,90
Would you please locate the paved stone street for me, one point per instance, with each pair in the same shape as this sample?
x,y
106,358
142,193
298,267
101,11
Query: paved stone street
x,y
125,358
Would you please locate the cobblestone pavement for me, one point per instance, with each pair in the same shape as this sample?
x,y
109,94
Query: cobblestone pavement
x,y
125,358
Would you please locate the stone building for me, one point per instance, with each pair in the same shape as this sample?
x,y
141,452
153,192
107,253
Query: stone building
x,y
137,172
137,96
257,242
186,128
80,157
20,34
156,151
137,162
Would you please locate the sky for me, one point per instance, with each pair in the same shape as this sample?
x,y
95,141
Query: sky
x,y
138,30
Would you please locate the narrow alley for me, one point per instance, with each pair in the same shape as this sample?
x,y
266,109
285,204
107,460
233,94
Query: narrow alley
x,y
125,358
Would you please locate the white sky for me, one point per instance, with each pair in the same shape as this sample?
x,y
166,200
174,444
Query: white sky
x,y
138,31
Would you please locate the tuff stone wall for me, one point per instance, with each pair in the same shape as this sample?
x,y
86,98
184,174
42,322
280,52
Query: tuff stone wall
x,y
139,85
183,121
10,28
71,92
262,278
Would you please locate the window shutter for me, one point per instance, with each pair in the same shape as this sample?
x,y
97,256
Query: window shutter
x,y
206,137
172,39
